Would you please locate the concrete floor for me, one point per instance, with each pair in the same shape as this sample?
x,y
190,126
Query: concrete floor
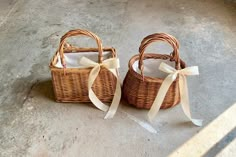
x,y
32,124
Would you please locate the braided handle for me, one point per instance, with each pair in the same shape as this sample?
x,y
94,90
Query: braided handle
x,y
78,32
159,37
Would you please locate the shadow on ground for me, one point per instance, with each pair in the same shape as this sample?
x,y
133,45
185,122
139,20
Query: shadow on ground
x,y
43,89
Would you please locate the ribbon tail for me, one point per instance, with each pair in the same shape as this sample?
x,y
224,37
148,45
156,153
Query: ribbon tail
x,y
115,102
185,100
160,96
92,76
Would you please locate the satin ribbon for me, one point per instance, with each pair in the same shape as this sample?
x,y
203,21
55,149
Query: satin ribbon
x,y
173,73
111,64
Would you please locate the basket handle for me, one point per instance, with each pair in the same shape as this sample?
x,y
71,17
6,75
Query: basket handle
x,y
78,32
159,37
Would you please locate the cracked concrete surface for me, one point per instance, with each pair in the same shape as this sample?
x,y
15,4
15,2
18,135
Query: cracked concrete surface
x,y
33,124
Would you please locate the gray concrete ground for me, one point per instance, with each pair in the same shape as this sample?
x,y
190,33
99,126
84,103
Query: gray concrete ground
x,y
33,124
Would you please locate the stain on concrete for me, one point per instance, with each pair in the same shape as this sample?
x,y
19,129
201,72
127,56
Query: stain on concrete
x,y
50,40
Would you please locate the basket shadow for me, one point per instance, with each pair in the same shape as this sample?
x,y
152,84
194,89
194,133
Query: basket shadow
x,y
43,89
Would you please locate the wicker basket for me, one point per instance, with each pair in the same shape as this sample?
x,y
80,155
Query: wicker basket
x,y
71,84
140,90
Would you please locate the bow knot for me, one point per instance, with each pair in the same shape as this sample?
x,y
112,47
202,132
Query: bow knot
x,y
111,64
186,71
173,73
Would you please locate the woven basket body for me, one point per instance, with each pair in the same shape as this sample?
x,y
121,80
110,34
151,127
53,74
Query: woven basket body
x,y
71,84
139,90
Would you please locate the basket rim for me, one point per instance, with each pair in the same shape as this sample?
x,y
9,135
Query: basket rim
x,y
73,49
150,56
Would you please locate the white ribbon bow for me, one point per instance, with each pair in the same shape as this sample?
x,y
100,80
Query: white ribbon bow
x,y
111,64
173,73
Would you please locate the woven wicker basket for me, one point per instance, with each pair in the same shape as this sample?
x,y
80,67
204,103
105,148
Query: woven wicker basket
x,y
140,90
71,84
